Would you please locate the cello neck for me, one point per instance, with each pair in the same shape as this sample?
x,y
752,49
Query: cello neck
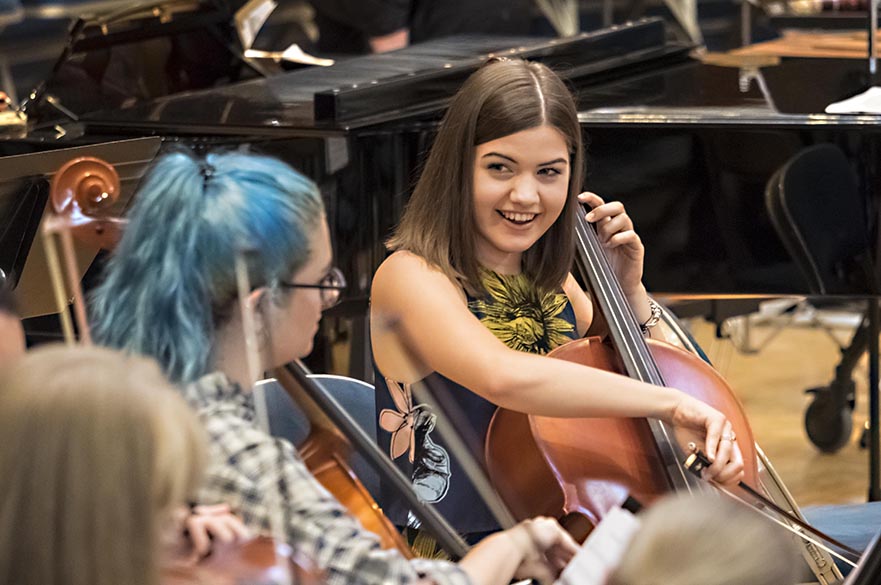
x,y
294,378
629,342
623,327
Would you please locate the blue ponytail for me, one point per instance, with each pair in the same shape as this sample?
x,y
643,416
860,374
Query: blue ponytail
x,y
171,280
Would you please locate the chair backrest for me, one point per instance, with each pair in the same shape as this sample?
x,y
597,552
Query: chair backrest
x,y
287,420
819,213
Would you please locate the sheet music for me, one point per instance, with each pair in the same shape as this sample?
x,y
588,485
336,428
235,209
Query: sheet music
x,y
250,18
602,551
868,102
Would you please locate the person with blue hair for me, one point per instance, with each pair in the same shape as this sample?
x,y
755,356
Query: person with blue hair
x,y
170,292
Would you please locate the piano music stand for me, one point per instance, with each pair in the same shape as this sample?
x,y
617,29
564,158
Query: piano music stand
x,y
24,192
132,22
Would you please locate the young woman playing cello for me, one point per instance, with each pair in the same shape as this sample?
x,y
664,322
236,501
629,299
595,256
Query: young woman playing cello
x,y
479,282
170,292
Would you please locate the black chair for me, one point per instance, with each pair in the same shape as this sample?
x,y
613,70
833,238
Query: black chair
x,y
831,245
287,420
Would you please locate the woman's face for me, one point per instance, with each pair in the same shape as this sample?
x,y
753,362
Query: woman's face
x,y
521,182
294,323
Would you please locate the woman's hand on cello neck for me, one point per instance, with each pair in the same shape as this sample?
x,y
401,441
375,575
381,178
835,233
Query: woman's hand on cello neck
x,y
623,247
619,238
697,422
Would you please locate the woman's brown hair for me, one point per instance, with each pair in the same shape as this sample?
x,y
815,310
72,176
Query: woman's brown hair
x,y
96,448
501,98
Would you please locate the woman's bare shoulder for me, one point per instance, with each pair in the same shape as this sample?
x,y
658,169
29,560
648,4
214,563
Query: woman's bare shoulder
x,y
407,266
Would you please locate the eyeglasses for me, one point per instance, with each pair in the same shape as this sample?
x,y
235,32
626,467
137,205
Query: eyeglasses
x,y
331,286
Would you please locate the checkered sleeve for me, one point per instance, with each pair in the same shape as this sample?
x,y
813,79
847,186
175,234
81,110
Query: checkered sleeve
x,y
250,469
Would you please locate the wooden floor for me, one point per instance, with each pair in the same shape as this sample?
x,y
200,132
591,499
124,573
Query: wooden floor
x,y
771,384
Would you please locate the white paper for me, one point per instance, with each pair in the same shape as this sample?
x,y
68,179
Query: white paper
x,y
602,551
868,102
250,18
294,54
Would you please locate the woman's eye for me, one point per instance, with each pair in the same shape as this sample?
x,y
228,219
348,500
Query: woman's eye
x,y
549,172
497,167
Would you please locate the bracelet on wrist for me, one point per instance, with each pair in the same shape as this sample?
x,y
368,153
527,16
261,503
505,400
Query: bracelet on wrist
x,y
653,319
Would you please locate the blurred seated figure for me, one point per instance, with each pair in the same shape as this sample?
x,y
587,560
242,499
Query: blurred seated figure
x,y
707,539
378,26
98,455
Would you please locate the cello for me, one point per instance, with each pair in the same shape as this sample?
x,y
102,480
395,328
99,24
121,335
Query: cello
x,y
584,467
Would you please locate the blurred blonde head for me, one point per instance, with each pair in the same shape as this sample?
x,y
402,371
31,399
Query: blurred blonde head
x,y
707,540
96,449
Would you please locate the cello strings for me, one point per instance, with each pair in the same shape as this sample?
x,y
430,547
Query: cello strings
x,y
628,338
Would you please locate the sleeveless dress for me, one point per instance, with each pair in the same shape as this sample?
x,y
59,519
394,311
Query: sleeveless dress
x,y
524,319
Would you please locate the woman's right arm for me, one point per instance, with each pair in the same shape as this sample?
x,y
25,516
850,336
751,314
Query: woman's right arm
x,y
432,313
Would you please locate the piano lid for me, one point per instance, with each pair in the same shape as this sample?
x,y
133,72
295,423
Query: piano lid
x,y
368,90
793,92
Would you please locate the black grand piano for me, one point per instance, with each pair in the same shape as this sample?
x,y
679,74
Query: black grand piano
x,y
687,145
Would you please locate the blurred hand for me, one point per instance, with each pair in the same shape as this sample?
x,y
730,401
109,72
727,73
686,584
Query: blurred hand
x,y
213,523
546,547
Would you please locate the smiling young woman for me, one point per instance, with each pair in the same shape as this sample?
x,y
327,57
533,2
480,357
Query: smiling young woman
x,y
479,281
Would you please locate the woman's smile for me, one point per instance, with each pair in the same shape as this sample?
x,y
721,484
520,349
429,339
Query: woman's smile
x,y
518,218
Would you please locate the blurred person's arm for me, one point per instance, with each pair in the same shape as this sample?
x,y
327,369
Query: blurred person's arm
x,y
391,42
385,23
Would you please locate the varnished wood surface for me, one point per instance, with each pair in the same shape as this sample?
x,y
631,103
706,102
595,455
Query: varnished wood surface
x,y
771,384
837,44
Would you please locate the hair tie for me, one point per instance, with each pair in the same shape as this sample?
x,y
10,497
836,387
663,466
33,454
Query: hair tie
x,y
207,171
496,59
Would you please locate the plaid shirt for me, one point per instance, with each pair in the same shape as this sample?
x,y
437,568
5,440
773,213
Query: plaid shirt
x,y
247,464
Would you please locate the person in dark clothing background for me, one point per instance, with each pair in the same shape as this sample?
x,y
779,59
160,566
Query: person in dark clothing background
x,y
377,26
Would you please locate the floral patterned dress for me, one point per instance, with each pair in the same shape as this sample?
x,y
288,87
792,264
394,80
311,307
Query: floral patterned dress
x,y
524,319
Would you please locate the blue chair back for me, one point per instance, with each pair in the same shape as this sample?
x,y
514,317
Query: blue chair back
x,y
287,421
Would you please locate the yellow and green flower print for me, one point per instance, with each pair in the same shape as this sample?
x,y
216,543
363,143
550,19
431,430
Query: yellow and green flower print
x,y
520,315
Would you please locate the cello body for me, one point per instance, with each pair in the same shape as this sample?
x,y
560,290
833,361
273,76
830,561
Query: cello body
x,y
589,465
327,453
327,457
255,561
